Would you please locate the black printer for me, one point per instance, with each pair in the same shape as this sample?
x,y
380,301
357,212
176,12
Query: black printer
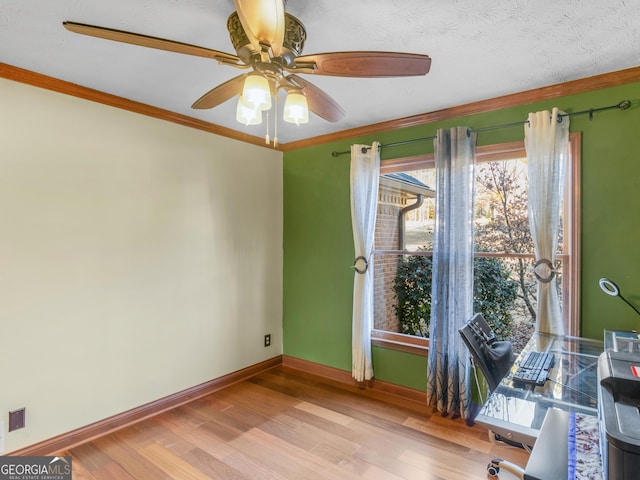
x,y
619,414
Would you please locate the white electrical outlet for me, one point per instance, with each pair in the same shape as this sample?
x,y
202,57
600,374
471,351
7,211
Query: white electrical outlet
x,y
1,437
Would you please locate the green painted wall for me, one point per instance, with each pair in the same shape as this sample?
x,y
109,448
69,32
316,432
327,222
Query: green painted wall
x,y
318,249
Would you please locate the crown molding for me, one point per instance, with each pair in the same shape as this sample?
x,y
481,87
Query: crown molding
x,y
50,83
573,87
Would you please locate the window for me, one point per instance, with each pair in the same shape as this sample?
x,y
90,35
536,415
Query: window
x,y
504,285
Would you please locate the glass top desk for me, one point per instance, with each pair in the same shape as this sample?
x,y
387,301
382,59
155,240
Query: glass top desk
x,y
516,411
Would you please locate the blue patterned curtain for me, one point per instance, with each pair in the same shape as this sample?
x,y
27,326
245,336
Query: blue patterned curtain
x,y
449,369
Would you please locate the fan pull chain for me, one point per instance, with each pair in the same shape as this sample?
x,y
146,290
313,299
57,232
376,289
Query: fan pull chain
x,y
266,135
275,124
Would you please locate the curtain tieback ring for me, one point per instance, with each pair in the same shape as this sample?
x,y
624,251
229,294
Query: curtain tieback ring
x,y
552,271
366,265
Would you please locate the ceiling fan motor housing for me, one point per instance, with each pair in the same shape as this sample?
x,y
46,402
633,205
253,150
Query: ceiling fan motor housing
x,y
294,37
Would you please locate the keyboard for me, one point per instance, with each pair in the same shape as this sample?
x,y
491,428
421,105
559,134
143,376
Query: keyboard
x,y
534,368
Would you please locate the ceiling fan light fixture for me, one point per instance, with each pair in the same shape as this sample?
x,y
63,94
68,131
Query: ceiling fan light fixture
x,y
256,92
270,42
296,109
246,114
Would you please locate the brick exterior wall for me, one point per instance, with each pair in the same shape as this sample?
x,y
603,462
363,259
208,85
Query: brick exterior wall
x,y
392,198
387,237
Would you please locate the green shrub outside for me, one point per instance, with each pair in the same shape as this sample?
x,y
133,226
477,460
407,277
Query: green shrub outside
x,y
494,294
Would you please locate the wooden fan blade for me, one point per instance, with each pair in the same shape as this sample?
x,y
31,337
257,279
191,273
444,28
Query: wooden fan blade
x,y
151,42
319,102
221,93
364,64
263,22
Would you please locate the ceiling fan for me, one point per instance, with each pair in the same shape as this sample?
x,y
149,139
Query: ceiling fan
x,y
269,42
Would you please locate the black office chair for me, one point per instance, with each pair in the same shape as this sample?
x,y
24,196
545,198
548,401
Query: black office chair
x,y
494,357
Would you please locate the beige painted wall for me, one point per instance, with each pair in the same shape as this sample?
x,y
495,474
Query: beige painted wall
x,y
137,258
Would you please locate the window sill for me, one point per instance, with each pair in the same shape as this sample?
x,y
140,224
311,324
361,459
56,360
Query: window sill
x,y
400,342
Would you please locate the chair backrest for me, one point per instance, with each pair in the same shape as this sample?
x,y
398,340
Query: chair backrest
x,y
493,357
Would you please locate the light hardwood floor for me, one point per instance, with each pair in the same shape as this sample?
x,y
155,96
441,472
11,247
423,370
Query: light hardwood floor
x,y
284,424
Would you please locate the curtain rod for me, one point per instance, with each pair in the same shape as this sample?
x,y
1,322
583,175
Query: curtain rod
x,y
623,105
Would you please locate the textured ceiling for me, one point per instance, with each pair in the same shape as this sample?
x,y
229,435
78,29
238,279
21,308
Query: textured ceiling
x,y
480,49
